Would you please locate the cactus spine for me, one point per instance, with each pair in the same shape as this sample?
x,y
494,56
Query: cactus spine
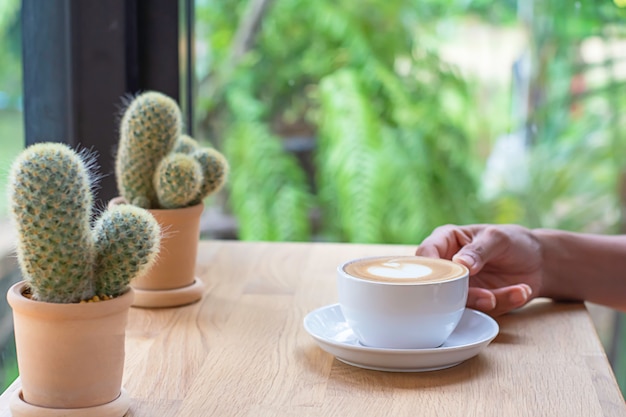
x,y
158,172
50,196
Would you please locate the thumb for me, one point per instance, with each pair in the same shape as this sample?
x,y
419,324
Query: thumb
x,y
480,251
468,258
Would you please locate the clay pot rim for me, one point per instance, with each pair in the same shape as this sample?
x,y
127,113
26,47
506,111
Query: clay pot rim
x,y
121,200
84,311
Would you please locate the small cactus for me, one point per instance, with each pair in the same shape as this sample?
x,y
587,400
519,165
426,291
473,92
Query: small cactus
x,y
158,171
61,257
177,180
127,241
214,172
185,144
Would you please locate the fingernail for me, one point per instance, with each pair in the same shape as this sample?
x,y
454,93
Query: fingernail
x,y
518,297
486,304
528,289
466,260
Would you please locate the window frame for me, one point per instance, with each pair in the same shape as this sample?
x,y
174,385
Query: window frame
x,y
81,58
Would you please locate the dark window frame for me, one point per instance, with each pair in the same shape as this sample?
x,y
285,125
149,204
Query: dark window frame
x,y
82,57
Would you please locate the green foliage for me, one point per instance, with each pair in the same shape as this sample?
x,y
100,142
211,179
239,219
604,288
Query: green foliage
x,y
570,182
268,189
388,183
619,365
63,262
401,137
11,144
329,69
10,50
575,142
156,165
9,370
355,178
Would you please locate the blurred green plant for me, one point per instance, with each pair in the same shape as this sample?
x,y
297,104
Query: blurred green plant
x,y
269,194
9,371
11,143
569,184
390,180
10,52
400,137
574,127
400,140
11,124
391,122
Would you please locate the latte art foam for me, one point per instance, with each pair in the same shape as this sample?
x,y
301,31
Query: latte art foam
x,y
405,270
399,270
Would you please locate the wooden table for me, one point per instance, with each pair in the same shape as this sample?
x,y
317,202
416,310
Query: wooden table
x,y
242,351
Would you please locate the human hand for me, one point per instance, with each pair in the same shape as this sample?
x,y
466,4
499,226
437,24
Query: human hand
x,y
504,263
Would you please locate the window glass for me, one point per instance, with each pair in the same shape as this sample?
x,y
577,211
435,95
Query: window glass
x,y
376,121
11,142
11,123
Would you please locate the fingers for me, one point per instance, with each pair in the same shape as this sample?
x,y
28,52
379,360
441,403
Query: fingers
x,y
498,301
444,242
472,246
476,246
481,299
486,245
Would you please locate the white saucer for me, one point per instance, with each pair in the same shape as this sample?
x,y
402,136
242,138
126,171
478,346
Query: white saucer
x,y
331,331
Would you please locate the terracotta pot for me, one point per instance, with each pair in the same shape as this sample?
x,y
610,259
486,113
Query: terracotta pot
x,y
171,281
70,356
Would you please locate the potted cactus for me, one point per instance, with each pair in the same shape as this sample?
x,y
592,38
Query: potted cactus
x,y
71,309
160,169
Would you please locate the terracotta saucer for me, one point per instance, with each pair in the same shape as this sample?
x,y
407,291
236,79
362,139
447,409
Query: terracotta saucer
x,y
169,298
116,408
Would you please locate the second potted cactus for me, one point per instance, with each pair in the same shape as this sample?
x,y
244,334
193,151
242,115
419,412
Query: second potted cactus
x,y
70,311
160,169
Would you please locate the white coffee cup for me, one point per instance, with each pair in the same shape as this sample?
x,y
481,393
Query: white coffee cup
x,y
402,302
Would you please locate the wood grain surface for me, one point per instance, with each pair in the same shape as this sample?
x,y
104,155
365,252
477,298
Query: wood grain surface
x,y
242,351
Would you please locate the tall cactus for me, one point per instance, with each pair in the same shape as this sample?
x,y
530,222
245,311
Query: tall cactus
x,y
158,170
150,127
51,203
51,198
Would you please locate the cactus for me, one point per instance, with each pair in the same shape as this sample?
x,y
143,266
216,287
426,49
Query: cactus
x,y
149,130
51,205
127,242
158,171
185,144
177,180
51,197
214,172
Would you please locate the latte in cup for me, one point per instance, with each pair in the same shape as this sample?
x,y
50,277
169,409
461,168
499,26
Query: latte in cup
x,y
402,302
404,269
